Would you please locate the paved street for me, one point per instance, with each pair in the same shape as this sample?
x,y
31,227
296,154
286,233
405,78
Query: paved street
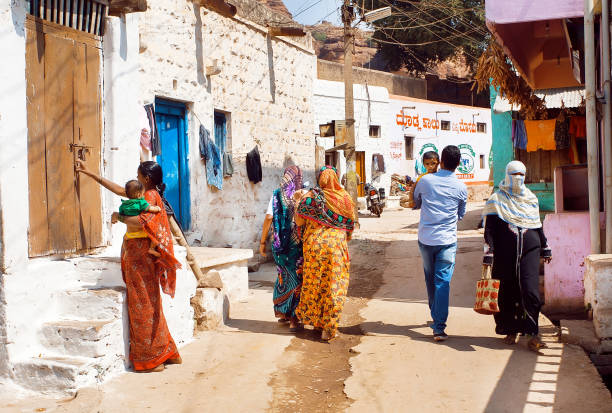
x,y
384,360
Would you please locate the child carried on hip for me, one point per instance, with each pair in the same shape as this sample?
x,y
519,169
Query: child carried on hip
x,y
134,206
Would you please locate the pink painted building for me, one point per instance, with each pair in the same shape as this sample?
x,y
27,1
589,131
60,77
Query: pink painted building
x,y
544,40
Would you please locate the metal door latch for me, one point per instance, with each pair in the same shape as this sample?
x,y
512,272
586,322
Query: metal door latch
x,y
81,150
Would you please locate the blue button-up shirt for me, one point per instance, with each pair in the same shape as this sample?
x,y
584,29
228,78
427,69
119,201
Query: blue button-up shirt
x,y
442,199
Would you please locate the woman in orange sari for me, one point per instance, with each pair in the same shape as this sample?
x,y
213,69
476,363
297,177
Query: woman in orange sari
x,y
326,215
151,344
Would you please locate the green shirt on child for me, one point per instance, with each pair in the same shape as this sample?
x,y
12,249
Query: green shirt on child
x,y
133,207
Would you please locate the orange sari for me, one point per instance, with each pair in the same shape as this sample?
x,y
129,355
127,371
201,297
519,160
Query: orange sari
x,y
150,341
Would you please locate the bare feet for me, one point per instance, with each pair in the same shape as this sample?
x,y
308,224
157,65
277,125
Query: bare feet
x,y
326,336
157,369
154,253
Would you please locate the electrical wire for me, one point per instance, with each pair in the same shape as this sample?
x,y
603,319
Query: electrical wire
x,y
307,8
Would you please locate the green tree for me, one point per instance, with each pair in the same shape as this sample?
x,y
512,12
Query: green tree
x,y
421,33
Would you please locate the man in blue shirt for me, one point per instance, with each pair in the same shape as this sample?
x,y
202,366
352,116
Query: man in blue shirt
x,y
442,199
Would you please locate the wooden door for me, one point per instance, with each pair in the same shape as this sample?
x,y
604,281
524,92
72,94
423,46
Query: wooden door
x,y
64,122
360,169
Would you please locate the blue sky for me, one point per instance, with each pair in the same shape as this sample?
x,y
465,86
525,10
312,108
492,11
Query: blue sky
x,y
315,13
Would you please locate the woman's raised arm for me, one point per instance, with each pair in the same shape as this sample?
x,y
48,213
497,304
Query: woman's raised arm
x,y
110,185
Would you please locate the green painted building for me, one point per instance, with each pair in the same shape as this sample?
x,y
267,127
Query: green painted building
x,y
503,152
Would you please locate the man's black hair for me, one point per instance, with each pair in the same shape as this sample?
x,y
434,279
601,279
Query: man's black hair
x,y
451,157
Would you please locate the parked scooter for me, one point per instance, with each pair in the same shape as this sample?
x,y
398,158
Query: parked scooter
x,y
375,199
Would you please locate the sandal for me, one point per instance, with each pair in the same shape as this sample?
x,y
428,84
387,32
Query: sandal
x,y
283,320
536,344
511,339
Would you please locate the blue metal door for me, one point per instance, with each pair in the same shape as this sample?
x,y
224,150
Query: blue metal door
x,y
172,127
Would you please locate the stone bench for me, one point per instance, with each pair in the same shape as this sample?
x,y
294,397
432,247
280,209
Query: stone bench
x,y
230,265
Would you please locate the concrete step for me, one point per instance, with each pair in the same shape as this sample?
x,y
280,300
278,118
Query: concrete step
x,y
92,339
54,374
93,304
230,265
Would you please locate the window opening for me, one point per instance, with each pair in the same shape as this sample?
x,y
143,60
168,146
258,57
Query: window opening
x,y
374,131
409,143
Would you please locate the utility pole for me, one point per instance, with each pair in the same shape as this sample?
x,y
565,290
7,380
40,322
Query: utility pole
x,y
349,110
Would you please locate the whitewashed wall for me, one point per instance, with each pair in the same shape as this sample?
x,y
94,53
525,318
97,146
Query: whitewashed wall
x,y
422,122
371,108
33,292
266,86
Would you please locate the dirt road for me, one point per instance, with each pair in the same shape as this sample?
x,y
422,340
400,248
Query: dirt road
x,y
384,360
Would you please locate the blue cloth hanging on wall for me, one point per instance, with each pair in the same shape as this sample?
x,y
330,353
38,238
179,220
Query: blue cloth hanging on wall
x,y
212,157
519,134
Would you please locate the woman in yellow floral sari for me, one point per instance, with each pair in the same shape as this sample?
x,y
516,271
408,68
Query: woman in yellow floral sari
x,y
326,215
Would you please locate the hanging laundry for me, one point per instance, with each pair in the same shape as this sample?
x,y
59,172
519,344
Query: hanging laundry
x,y
519,134
155,144
228,164
378,163
540,135
577,127
204,138
212,158
562,135
145,136
253,164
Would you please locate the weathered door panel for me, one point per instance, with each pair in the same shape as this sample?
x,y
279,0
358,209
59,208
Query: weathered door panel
x,y
170,118
38,233
59,124
168,127
87,139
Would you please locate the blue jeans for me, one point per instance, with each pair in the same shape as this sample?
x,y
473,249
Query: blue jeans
x,y
438,264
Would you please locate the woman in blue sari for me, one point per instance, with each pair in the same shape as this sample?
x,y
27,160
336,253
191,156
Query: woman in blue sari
x,y
286,247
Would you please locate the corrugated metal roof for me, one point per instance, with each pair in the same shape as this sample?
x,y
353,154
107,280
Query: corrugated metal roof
x,y
553,98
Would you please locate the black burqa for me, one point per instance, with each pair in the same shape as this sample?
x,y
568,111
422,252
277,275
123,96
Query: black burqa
x,y
516,263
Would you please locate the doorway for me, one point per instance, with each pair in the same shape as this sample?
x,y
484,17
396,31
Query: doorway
x,y
360,169
64,110
172,126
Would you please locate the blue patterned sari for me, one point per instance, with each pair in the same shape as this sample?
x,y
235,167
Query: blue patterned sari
x,y
287,246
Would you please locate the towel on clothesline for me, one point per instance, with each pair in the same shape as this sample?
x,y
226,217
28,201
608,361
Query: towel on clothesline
x,y
519,135
211,156
155,144
540,135
228,164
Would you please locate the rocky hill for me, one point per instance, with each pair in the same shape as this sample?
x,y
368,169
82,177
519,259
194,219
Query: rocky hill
x,y
329,45
278,6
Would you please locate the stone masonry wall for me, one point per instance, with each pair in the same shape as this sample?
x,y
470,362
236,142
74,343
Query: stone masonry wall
x,y
395,84
265,86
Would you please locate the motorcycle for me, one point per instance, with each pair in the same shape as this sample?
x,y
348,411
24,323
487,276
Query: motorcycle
x,y
375,199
